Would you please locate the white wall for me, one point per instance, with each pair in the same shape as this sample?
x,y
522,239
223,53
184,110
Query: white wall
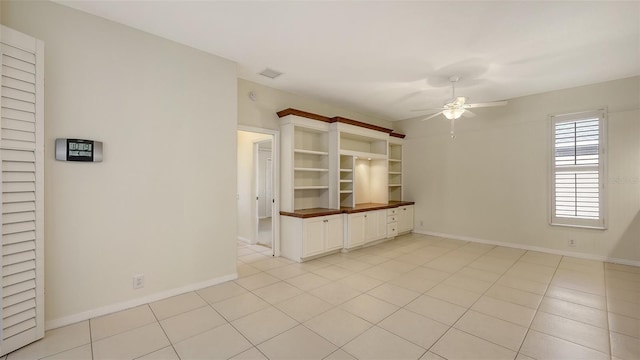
x,y
246,189
160,202
262,112
491,182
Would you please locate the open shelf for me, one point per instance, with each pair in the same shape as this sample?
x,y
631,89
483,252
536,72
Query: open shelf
x,y
363,155
311,152
311,169
314,187
394,185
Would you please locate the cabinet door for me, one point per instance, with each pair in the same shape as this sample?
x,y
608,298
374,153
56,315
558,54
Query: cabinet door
x,y
381,224
370,226
405,218
355,236
375,225
313,237
334,233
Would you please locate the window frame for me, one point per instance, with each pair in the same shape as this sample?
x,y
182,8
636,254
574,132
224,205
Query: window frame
x,y
601,222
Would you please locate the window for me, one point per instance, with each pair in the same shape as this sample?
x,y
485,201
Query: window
x,y
577,169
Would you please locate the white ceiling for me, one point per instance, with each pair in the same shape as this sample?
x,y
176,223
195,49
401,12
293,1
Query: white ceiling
x,y
384,58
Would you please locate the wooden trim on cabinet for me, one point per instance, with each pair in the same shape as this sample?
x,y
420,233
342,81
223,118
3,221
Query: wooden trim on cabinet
x,y
304,114
308,115
361,124
398,135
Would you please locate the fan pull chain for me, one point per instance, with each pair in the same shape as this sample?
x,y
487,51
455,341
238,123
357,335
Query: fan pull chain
x,y
453,136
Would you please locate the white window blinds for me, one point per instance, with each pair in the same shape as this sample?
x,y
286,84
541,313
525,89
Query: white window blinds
x,y
577,191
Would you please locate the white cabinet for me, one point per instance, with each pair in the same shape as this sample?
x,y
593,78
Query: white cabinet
x,y
355,230
405,218
376,225
313,236
365,227
304,238
392,222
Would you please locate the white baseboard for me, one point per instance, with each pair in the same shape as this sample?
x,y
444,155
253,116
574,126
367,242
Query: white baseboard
x,y
90,314
532,248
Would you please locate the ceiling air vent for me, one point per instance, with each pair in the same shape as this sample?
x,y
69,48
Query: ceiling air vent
x,y
270,73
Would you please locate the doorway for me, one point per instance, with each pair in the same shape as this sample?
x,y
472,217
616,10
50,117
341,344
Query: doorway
x,y
257,188
263,181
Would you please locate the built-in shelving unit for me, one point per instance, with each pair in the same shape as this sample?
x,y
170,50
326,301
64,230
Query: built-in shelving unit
x,y
346,181
395,169
305,145
341,184
337,162
366,150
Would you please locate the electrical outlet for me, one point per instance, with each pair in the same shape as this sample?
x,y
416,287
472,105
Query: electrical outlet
x,y
138,281
572,243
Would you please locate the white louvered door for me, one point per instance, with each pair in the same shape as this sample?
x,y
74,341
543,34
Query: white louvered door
x,y
21,154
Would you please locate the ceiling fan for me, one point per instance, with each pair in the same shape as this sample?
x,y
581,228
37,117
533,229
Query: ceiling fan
x,y
457,106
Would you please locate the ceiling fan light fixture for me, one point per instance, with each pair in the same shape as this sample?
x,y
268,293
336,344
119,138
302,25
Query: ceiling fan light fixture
x,y
454,113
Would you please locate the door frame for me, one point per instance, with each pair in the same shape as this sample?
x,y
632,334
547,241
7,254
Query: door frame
x,y
275,183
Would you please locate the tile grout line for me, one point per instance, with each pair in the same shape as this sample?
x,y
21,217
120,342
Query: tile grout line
x,y
536,312
469,308
164,332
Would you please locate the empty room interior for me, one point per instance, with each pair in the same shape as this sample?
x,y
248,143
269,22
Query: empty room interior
x,y
320,180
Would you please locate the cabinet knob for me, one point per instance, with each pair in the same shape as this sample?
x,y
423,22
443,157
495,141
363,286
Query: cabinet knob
x,y
326,220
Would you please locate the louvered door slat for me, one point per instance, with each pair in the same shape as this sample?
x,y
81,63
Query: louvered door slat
x,y
20,95
18,278
18,74
18,207
8,301
18,227
16,155
18,115
8,166
18,85
21,137
18,125
17,53
13,290
19,308
10,134
17,248
19,64
14,218
8,239
18,197
18,257
18,105
18,268
8,177
18,187
22,317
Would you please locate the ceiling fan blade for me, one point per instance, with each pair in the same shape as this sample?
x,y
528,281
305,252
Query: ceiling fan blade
x,y
428,109
431,116
479,105
468,114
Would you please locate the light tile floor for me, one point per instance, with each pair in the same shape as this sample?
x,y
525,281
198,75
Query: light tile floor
x,y
415,297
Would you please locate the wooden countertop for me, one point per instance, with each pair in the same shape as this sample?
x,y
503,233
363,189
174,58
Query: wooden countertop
x,y
315,212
